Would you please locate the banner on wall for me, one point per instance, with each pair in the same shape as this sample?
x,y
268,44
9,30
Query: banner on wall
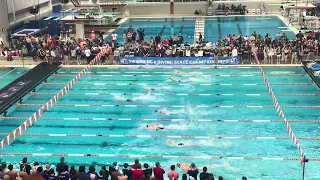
x,y
229,60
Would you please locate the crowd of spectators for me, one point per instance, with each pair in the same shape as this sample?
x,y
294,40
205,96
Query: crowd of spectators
x,y
276,49
242,10
113,172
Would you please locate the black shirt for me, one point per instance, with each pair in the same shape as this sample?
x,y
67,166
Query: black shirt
x,y
129,173
26,167
61,167
193,173
204,176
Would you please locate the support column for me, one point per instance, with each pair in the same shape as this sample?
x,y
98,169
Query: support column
x,y
79,29
4,22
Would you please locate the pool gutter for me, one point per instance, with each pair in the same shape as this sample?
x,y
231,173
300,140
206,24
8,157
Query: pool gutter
x,y
309,71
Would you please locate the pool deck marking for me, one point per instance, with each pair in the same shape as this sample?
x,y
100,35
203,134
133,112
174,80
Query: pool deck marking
x,y
157,156
161,120
169,94
164,136
161,106
8,73
177,84
174,75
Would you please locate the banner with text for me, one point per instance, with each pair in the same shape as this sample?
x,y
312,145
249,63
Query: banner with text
x,y
229,60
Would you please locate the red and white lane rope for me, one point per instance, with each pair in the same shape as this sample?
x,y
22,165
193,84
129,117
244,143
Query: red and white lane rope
x,y
31,120
281,113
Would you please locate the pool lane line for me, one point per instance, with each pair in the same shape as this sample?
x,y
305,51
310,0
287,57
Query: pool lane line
x,y
174,75
111,127
170,94
155,156
239,29
219,30
7,73
160,120
176,84
167,73
163,136
104,144
162,106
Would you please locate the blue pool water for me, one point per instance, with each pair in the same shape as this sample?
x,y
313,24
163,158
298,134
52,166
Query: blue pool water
x,y
9,74
214,27
108,87
224,26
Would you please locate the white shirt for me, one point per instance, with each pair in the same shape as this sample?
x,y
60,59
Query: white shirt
x,y
188,53
87,52
234,52
200,53
114,36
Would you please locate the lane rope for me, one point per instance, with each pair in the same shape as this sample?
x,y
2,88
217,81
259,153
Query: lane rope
x,y
162,120
167,106
168,94
158,156
177,84
164,136
169,75
31,120
281,113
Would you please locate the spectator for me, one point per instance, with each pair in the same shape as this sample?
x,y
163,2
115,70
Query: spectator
x,y
137,173
193,171
128,172
147,170
173,174
220,178
62,166
158,172
82,173
92,173
25,167
184,177
122,176
204,175
104,173
73,173
33,176
2,171
11,173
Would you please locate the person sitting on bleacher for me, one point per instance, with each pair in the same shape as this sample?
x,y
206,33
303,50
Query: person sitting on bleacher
x,y
223,7
219,7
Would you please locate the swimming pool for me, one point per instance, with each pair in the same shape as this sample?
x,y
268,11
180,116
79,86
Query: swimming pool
x,y
9,74
206,105
215,27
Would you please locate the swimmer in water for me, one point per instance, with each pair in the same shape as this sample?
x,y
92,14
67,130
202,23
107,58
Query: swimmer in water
x,y
142,97
154,89
155,126
163,112
187,74
174,80
170,142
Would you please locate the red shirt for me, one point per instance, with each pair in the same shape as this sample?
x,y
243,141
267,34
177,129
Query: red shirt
x,y
158,173
137,174
133,167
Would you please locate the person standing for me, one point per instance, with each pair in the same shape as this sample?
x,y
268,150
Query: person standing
x,y
158,172
173,174
126,171
193,171
204,175
137,173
